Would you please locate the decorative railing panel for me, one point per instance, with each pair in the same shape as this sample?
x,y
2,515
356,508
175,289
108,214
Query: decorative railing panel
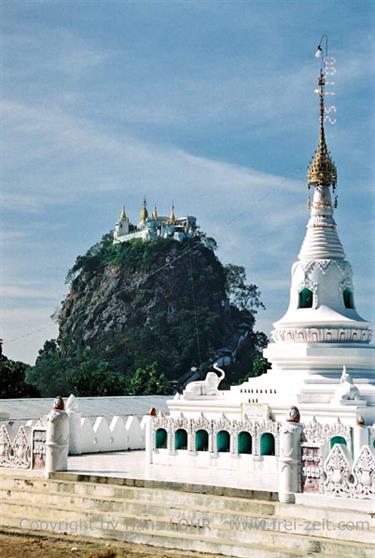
x,y
15,453
253,426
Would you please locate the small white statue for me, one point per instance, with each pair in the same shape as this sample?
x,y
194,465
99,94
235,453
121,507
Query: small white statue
x,y
208,386
346,390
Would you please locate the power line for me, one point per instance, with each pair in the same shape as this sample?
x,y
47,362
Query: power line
x,y
127,288
161,268
195,311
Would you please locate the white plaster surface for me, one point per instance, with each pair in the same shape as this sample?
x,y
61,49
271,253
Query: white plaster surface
x,y
34,408
132,464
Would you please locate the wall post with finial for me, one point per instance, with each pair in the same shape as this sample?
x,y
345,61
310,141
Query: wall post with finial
x,y
57,438
290,457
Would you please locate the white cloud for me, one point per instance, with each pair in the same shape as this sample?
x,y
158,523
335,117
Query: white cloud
x,y
16,292
71,143
58,137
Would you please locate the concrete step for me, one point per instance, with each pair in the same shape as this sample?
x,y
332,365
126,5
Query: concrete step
x,y
178,518
116,525
140,506
315,548
260,514
300,514
310,512
180,541
110,487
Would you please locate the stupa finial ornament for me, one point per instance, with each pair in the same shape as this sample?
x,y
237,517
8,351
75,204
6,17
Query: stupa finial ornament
x,y
144,213
322,170
123,214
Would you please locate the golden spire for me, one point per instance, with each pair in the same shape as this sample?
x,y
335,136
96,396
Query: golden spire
x,y
144,213
172,217
155,213
322,170
123,214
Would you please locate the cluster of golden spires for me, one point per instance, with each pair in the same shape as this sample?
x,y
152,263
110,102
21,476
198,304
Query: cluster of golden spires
x,y
143,216
322,169
154,214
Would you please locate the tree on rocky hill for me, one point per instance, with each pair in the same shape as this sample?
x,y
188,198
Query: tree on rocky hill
x,y
135,309
12,379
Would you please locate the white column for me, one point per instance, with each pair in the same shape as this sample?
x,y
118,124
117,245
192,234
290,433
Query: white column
x,y
57,441
148,439
72,408
360,439
289,461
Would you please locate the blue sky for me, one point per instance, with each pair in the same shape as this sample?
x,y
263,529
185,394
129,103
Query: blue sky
x,y
206,103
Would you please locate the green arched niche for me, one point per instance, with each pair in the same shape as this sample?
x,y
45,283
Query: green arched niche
x,y
223,441
244,443
337,440
305,298
201,440
267,444
348,298
161,438
180,439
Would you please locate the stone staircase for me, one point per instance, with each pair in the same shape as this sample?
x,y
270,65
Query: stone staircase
x,y
231,522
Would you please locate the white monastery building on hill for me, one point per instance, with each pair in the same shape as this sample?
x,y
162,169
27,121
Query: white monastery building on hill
x,y
154,226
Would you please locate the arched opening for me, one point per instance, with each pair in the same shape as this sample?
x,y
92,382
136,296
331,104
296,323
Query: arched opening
x,y
161,438
348,298
201,440
244,443
337,440
180,439
223,441
305,298
267,444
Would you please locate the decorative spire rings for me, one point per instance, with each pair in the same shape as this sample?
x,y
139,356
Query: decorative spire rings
x,y
322,170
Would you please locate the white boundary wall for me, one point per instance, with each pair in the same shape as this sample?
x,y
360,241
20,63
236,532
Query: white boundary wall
x,y
97,435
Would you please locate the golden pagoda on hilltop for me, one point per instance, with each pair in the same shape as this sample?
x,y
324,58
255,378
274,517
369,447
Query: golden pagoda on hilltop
x,y
154,226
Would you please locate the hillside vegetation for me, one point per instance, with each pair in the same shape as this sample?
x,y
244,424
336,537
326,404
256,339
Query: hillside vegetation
x,y
139,315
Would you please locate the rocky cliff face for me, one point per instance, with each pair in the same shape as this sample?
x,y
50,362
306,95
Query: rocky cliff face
x,y
164,301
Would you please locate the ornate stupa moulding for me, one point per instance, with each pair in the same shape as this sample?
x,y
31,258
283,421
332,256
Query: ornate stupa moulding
x,y
322,335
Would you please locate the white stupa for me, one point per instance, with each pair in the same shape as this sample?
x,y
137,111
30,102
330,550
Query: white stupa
x,y
307,427
321,346
321,333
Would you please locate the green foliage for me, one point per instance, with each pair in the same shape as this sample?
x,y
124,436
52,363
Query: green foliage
x,y
50,371
260,366
245,296
94,259
99,380
12,379
148,381
132,254
136,308
84,376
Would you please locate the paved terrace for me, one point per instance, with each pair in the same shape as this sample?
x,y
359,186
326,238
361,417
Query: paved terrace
x,y
131,464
